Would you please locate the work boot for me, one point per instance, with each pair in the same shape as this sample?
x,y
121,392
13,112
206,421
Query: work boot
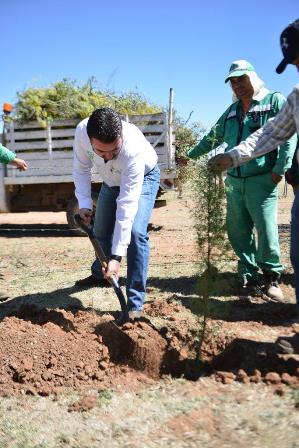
x,y
288,345
272,289
250,287
91,282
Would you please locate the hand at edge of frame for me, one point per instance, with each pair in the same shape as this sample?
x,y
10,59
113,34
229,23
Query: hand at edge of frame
x,y
20,164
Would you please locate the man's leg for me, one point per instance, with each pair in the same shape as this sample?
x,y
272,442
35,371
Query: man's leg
x,y
104,224
138,250
295,244
103,229
240,229
261,199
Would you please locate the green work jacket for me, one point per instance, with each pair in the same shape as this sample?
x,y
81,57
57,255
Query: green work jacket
x,y
234,127
6,155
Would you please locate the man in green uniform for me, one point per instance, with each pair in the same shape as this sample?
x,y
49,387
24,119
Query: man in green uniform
x,y
251,188
7,156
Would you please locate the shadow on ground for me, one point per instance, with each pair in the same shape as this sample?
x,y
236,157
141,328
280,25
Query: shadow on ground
x,y
35,230
59,298
225,302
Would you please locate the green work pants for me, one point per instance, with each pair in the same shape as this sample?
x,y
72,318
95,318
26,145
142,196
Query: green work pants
x,y
252,202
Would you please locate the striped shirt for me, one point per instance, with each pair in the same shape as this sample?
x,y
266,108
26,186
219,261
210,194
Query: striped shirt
x,y
275,132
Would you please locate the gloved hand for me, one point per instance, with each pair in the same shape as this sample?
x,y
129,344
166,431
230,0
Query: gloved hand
x,y
220,163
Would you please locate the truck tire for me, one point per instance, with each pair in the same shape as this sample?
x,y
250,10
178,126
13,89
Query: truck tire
x,y
73,208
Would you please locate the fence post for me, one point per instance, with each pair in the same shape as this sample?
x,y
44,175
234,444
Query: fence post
x,y
171,154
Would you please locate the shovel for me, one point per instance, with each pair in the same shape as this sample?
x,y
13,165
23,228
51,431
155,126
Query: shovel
x,y
104,263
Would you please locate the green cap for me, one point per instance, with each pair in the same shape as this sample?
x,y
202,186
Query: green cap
x,y
239,68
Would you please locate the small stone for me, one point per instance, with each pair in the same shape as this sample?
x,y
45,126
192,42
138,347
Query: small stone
x,y
142,325
98,375
280,390
288,379
127,326
272,377
30,391
228,380
27,363
46,376
80,365
241,374
45,391
103,365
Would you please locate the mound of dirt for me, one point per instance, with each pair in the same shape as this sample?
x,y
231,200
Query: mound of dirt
x,y
45,351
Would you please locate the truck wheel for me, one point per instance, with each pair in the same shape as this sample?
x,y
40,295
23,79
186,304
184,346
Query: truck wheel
x,y
73,208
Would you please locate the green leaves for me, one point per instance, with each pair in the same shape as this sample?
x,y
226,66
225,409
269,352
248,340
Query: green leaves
x,y
66,100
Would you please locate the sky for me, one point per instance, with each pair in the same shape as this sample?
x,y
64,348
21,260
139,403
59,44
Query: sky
x,y
145,46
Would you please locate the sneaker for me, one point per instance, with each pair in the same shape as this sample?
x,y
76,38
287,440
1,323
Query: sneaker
x,y
273,290
288,345
91,282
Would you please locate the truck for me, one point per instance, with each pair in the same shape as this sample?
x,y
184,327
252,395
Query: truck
x,y
48,185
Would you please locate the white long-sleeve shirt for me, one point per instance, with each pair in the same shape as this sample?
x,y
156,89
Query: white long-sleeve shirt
x,y
136,158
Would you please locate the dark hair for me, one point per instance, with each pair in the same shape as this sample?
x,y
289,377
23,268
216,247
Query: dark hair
x,y
104,124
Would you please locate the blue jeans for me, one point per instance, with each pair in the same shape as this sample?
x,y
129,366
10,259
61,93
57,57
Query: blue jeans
x,y
138,249
295,244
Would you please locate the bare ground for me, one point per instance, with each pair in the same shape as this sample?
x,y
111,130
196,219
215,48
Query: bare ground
x,y
69,377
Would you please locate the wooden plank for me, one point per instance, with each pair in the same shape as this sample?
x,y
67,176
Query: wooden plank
x,y
165,174
146,117
29,146
151,128
44,167
54,124
30,156
95,178
42,134
4,207
65,143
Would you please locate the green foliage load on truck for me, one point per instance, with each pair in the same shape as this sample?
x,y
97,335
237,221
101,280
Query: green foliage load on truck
x,y
66,100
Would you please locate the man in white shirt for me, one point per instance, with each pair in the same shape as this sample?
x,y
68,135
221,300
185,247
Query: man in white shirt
x,y
128,166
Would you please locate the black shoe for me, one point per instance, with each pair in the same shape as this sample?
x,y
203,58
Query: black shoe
x,y
132,316
91,282
251,287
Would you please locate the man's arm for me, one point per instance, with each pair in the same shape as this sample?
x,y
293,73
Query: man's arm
x,y
127,204
82,171
6,155
286,150
211,140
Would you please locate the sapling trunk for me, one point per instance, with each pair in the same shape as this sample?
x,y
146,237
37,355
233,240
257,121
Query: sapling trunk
x,y
209,216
